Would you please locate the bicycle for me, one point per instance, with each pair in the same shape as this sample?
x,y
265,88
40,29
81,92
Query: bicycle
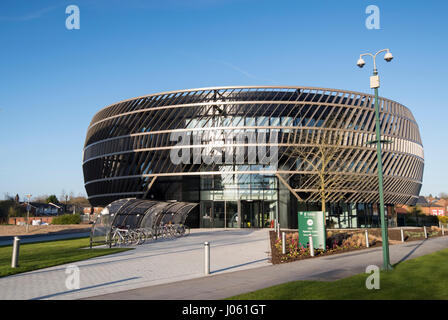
x,y
182,230
135,237
119,236
166,231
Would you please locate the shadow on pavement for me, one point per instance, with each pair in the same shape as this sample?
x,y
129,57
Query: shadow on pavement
x,y
86,288
409,253
133,255
238,265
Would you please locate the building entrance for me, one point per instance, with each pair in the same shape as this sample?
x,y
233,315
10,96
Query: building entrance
x,y
257,213
237,214
219,214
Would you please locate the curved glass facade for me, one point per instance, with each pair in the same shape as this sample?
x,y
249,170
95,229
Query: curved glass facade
x,y
232,200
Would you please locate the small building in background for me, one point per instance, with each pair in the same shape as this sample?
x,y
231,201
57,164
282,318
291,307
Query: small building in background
x,y
443,203
92,210
44,209
433,209
428,206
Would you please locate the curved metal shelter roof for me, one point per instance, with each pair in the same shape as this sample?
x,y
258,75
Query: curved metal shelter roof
x,y
137,213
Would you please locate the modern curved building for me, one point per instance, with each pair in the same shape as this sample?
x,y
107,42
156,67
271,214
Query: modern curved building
x,y
320,137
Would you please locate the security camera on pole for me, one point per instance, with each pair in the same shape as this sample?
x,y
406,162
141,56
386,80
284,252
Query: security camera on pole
x,y
375,84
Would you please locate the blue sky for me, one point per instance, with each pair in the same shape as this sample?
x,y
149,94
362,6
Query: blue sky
x,y
53,80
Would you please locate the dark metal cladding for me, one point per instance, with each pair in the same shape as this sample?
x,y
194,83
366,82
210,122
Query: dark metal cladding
x,y
128,143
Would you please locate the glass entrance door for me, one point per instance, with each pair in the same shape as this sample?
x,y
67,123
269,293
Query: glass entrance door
x,y
219,214
206,214
246,214
232,220
269,213
253,214
257,213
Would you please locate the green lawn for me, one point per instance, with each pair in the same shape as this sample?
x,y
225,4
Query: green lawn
x,y
425,277
46,254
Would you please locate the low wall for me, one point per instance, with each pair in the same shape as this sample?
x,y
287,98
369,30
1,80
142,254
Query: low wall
x,y
16,220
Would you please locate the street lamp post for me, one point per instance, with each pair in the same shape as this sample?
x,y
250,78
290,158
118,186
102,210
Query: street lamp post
x,y
375,84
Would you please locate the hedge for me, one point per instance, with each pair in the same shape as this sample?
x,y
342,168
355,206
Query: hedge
x,y
67,219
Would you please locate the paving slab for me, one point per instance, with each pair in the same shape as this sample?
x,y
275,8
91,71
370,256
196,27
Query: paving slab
x,y
325,268
157,262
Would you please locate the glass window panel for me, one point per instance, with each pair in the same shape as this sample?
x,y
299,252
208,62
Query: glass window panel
x,y
250,121
275,121
262,121
232,214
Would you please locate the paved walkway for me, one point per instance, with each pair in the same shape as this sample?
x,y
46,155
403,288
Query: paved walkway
x,y
150,264
324,268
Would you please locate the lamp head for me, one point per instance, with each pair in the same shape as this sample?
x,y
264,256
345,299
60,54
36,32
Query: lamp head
x,y
360,62
388,56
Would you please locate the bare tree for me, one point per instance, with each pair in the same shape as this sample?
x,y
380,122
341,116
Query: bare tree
x,y
64,196
443,195
41,198
7,196
79,201
321,156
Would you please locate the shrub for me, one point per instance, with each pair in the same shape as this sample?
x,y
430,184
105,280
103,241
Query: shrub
x,y
8,208
67,219
335,242
357,240
443,219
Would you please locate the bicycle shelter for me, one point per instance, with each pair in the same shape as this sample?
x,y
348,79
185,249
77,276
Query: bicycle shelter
x,y
135,213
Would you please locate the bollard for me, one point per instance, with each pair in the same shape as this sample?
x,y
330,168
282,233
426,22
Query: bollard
x,y
402,235
424,230
443,231
310,237
367,239
283,242
15,253
207,257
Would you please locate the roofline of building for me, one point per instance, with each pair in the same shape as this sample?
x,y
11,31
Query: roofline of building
x,y
247,87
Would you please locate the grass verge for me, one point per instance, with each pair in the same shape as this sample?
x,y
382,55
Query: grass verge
x,y
423,278
40,255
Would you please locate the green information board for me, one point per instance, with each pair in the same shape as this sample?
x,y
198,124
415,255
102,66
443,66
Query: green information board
x,y
312,222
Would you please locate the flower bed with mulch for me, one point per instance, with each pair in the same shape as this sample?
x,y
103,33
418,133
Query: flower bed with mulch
x,y
335,244
339,241
410,234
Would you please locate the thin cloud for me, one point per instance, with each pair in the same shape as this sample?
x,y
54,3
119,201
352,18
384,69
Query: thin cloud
x,y
247,74
29,16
